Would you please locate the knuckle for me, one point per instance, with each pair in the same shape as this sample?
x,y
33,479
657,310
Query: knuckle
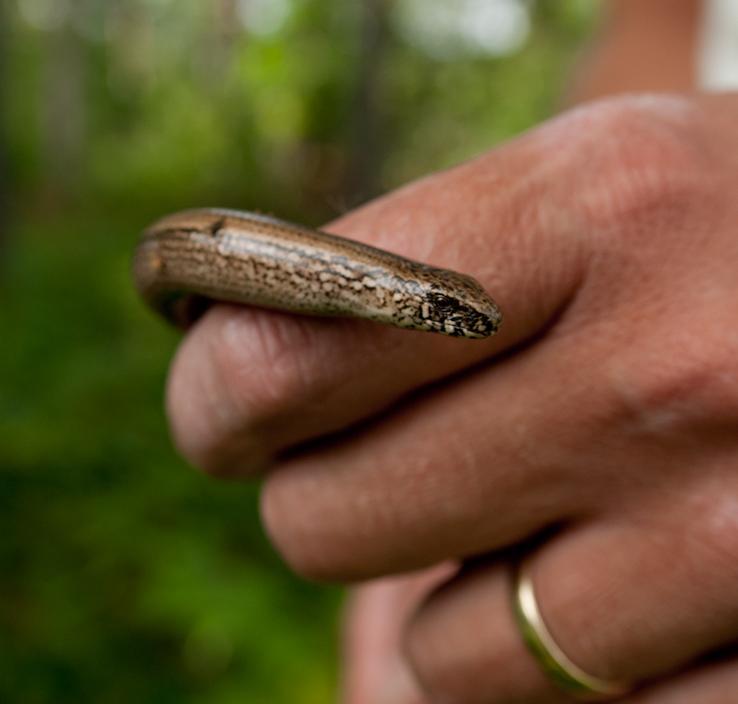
x,y
261,360
193,415
306,539
636,155
689,391
433,669
715,537
303,559
234,373
455,675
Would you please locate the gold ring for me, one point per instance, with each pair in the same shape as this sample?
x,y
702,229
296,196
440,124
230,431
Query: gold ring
x,y
556,664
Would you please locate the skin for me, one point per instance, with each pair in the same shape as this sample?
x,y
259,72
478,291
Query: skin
x,y
597,432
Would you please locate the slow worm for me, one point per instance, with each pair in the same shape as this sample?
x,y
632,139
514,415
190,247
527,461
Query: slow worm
x,y
189,258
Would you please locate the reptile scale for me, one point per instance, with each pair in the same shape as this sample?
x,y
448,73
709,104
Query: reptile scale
x,y
186,259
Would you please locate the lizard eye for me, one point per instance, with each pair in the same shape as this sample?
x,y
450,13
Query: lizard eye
x,y
443,303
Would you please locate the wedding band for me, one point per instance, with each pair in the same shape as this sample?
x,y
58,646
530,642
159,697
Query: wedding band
x,y
556,664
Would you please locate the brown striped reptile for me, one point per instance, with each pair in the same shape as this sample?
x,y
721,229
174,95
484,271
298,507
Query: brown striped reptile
x,y
185,260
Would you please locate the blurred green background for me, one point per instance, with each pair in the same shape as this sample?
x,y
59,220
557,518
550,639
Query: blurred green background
x,y
125,576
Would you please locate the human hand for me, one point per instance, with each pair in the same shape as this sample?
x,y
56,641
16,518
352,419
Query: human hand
x,y
601,420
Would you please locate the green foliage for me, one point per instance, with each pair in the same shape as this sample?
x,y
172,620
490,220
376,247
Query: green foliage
x,y
125,576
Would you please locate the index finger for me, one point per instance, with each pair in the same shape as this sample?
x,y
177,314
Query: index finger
x,y
248,384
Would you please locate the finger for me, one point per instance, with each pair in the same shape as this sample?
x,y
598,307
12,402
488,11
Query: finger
x,y
248,379
506,451
623,600
373,670
525,220
716,683
424,485
463,645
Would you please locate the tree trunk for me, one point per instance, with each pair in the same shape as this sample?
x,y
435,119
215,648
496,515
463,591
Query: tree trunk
x,y
366,150
63,116
4,165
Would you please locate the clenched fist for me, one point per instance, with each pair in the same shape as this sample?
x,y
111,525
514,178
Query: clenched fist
x,y
597,434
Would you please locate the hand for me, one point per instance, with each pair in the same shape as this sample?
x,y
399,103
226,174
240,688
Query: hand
x,y
602,420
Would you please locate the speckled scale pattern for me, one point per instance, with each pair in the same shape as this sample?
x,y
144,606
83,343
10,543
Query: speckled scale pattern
x,y
258,260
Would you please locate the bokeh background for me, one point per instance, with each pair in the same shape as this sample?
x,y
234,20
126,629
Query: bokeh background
x,y
126,576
